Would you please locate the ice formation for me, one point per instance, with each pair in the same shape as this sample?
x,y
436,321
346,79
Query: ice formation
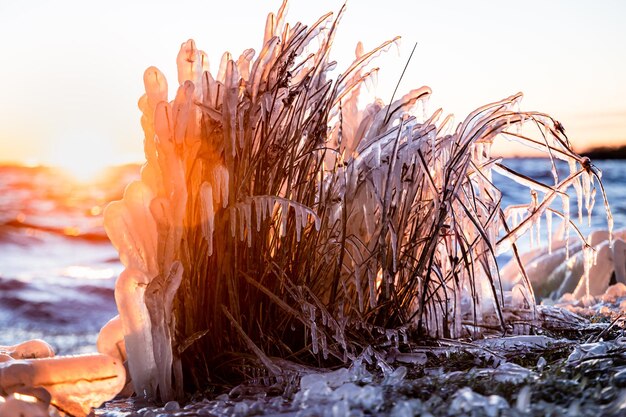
x,y
111,339
274,215
30,349
555,273
32,379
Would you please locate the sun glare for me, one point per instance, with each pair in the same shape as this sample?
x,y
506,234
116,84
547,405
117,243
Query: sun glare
x,y
82,156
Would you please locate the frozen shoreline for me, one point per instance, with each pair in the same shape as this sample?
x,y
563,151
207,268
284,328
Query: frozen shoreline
x,y
582,374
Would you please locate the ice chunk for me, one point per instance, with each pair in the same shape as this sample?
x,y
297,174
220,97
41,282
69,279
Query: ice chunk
x,y
588,351
408,408
30,349
523,343
130,291
511,373
467,402
349,391
171,406
614,292
417,358
338,377
111,339
313,386
23,406
340,408
370,397
523,399
619,260
156,87
396,377
75,383
541,363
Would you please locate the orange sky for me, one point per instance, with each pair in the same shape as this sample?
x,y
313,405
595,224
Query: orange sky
x,y
71,70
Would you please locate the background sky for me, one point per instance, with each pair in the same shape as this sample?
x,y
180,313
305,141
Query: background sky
x,y
71,70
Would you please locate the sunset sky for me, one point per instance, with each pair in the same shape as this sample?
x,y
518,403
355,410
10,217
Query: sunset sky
x,y
71,71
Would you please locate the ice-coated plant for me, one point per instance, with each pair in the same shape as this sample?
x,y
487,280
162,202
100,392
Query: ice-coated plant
x,y
275,218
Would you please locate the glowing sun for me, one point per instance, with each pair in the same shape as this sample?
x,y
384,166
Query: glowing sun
x,y
83,155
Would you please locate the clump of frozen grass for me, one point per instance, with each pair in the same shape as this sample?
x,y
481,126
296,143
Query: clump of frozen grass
x,y
275,218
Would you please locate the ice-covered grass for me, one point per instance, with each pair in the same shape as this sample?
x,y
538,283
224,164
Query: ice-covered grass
x,y
275,218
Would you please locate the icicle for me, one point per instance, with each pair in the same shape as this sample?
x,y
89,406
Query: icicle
x,y
224,179
243,63
258,209
314,336
532,237
372,287
357,284
318,222
181,110
232,214
577,186
591,205
186,62
221,72
247,210
538,231
208,214
532,212
555,174
284,212
549,227
394,250
589,257
586,180
324,346
268,207
242,222
566,226
156,87
130,289
405,336
269,28
229,109
298,217
392,337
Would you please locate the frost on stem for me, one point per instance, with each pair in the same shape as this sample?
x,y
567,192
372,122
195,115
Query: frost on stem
x,y
276,216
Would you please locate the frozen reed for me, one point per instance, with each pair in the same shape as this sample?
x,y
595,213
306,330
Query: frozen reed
x,y
275,218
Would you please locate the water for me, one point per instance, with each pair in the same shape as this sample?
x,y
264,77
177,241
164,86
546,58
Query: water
x,y
613,173
58,270
57,267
